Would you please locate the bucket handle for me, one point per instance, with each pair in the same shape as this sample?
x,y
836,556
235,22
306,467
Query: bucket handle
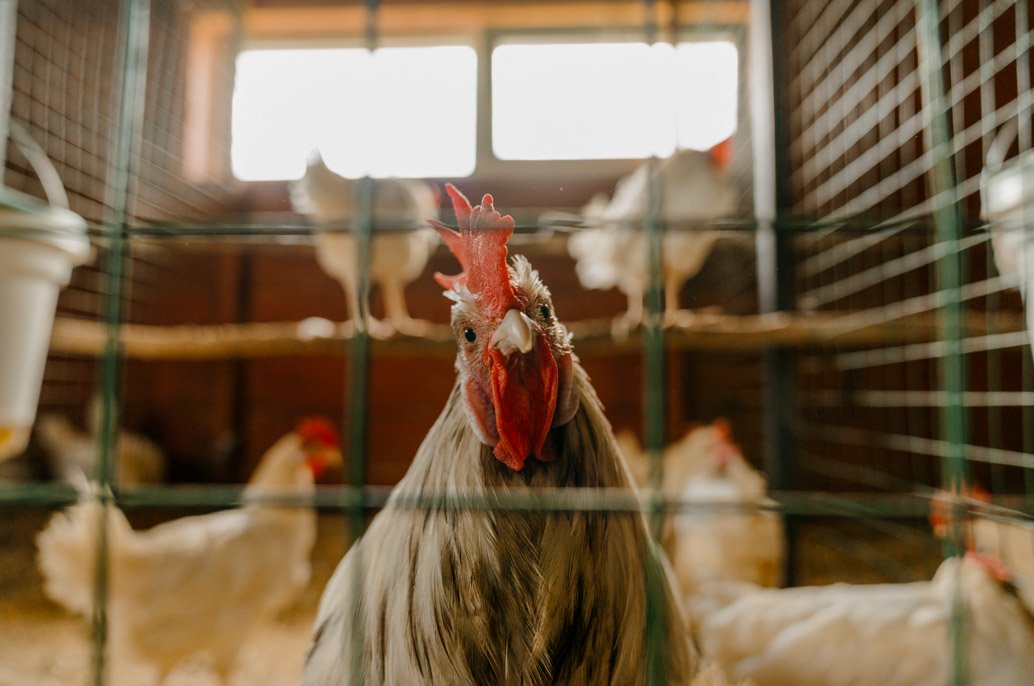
x,y
999,147
995,159
41,164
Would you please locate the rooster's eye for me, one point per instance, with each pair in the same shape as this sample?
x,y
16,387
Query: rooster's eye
x,y
469,334
545,313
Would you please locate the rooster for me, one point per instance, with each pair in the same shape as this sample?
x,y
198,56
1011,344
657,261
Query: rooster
x,y
196,584
612,251
445,594
397,256
723,535
872,635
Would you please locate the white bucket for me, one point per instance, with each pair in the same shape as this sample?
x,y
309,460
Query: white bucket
x,y
38,251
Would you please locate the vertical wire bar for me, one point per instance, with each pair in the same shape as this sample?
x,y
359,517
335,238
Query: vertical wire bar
x,y
917,418
8,36
948,228
955,114
362,229
1026,101
993,357
127,116
653,403
775,272
653,419
891,285
357,417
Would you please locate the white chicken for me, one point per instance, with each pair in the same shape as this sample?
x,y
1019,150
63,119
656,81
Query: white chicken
x,y
195,584
72,453
729,530
612,251
871,635
399,250
987,532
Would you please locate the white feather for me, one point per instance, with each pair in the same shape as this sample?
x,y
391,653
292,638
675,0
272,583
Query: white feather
x,y
869,635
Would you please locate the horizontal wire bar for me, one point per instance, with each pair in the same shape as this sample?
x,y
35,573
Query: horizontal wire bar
x,y
869,555
893,398
921,304
824,260
854,473
928,351
874,276
958,40
822,121
550,500
825,47
861,165
931,447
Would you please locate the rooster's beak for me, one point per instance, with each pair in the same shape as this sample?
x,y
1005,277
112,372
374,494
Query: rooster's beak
x,y
514,333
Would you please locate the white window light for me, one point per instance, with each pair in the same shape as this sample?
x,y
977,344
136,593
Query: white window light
x,y
406,112
611,100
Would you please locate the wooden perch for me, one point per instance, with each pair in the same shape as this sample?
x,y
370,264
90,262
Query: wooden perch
x,y
692,331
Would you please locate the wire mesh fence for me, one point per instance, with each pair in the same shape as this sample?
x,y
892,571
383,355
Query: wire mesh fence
x,y
857,317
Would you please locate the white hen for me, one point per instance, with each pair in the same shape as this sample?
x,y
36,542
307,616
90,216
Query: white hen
x,y
195,584
724,534
612,252
398,252
72,453
871,635
993,533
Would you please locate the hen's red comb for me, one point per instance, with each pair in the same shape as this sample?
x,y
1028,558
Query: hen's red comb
x,y
724,429
480,247
721,153
319,430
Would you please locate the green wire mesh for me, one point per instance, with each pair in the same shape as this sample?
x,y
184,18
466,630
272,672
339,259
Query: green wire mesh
x,y
889,110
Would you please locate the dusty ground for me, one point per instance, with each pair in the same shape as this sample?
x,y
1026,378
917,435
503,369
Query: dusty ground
x,y
42,645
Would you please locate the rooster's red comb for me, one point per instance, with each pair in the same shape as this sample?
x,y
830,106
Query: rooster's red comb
x,y
319,430
480,247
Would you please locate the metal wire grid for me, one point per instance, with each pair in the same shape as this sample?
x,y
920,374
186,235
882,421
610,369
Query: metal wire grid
x,y
108,191
63,79
893,110
884,270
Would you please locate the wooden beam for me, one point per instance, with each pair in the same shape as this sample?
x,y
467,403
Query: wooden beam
x,y
693,331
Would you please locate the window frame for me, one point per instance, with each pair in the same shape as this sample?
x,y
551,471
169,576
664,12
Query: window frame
x,y
339,31
354,43
492,165
617,39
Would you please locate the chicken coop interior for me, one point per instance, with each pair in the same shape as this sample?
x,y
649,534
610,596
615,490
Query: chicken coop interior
x,y
789,241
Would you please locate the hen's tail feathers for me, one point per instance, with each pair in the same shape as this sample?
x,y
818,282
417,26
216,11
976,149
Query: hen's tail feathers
x,y
62,444
67,547
54,432
596,262
321,193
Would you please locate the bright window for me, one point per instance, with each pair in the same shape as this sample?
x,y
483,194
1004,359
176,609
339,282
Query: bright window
x,y
611,100
407,112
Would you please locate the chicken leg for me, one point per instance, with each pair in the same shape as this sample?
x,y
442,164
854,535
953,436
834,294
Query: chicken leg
x,y
396,314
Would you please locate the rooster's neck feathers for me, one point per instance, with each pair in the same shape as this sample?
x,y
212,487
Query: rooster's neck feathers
x,y
468,596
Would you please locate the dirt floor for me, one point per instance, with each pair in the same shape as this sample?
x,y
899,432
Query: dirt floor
x,y
42,645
